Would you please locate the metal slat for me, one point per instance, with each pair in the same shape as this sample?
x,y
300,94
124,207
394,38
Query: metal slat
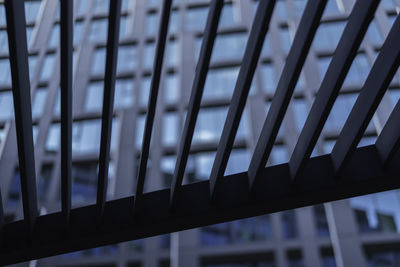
x,y
242,88
196,95
151,110
66,38
371,94
16,30
360,17
287,83
388,142
108,103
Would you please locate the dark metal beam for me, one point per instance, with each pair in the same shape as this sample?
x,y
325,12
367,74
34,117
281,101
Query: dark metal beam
x,y
16,30
360,17
371,94
108,103
207,45
242,88
317,185
388,142
66,40
151,109
286,85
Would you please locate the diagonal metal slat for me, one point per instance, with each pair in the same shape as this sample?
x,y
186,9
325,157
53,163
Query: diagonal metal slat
x,y
16,30
360,17
242,88
286,85
388,142
66,40
108,103
151,110
371,94
196,95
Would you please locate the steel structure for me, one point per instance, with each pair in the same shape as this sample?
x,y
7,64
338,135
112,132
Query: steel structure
x,y
346,172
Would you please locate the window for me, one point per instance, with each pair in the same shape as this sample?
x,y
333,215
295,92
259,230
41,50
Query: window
x,y
289,224
6,105
127,58
321,220
99,61
43,182
31,10
172,88
358,71
48,67
220,83
100,6
5,72
238,162
151,24
39,102
328,35
268,78
98,30
340,111
3,42
84,185
171,129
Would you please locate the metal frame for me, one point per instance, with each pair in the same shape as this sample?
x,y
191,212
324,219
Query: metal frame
x,y
361,170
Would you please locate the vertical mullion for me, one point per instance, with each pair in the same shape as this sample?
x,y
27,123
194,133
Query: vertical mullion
x,y
371,94
359,19
388,142
287,83
108,102
66,38
196,95
151,110
250,59
16,29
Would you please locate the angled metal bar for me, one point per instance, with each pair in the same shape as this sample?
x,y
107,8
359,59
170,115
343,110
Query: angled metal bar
x,y
388,142
207,45
371,94
194,208
108,103
360,17
15,14
242,88
151,109
66,40
297,55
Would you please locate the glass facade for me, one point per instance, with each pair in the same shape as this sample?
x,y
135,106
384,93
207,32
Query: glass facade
x,y
256,236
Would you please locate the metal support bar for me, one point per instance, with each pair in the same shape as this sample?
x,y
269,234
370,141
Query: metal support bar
x,y
16,30
242,88
287,83
66,39
194,209
360,17
371,94
388,142
195,97
108,103
151,109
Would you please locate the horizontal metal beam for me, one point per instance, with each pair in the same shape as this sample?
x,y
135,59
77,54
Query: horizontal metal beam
x,y
317,185
151,108
199,80
388,142
17,44
371,94
66,40
286,85
108,103
245,77
359,19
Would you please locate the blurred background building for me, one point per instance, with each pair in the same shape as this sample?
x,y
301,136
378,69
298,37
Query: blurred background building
x,y
362,231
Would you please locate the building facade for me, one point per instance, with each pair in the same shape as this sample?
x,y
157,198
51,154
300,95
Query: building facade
x,y
363,231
